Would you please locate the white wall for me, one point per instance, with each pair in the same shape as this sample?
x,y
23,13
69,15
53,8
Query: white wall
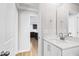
x,y
8,28
48,18
34,20
47,15
24,30
62,15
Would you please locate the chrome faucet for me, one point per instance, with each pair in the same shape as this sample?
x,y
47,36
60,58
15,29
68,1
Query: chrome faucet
x,y
69,34
61,36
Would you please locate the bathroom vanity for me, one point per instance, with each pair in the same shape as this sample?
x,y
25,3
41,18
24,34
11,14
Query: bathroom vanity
x,y
56,47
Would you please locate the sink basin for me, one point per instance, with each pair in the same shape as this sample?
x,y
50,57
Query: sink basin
x,y
62,44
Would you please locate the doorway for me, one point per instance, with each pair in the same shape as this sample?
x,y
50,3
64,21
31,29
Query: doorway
x,y
33,28
34,24
34,43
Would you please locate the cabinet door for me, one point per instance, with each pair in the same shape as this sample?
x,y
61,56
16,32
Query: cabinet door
x,y
71,52
51,50
46,48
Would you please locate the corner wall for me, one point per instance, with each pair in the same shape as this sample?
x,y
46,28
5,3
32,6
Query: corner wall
x,y
8,27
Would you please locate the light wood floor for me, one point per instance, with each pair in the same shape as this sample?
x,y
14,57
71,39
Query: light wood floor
x,y
34,43
34,46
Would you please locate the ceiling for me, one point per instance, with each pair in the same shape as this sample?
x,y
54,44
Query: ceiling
x,y
28,6
33,6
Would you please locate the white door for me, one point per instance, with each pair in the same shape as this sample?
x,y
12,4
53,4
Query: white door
x,y
24,32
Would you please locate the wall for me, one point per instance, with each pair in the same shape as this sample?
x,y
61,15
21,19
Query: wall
x,y
62,14
24,30
34,20
47,15
48,18
8,28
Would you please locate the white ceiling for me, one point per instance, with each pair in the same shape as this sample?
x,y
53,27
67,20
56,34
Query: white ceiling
x,y
33,6
28,6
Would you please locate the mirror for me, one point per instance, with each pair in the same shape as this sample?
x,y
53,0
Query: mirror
x,y
68,19
73,24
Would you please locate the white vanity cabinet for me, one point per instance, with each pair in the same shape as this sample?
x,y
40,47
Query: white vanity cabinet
x,y
71,52
60,48
51,50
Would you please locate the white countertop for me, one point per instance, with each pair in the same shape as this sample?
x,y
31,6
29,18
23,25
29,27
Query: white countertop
x,y
63,44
